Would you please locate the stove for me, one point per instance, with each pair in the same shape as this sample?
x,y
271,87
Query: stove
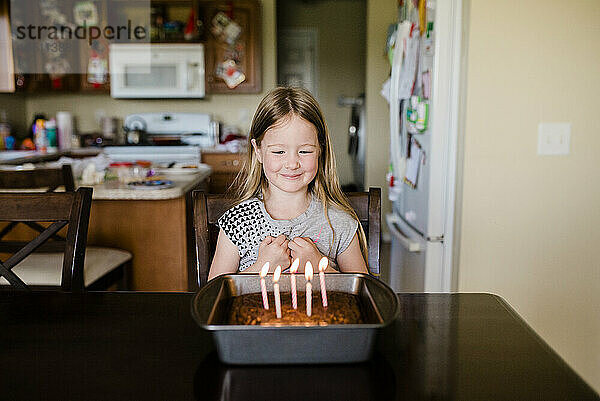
x,y
173,129
158,155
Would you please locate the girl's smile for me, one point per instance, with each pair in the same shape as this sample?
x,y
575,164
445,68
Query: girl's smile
x,y
289,153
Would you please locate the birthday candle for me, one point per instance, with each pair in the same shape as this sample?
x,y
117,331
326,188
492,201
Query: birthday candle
x,y
293,270
322,266
308,274
263,285
276,291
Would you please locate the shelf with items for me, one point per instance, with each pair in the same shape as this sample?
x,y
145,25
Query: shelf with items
x,y
174,21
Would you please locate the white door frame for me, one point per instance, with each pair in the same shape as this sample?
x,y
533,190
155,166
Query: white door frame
x,y
448,107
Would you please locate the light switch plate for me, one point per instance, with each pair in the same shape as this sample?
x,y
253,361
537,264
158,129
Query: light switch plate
x,y
554,138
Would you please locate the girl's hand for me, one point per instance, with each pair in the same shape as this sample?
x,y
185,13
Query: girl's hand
x,y
305,249
275,251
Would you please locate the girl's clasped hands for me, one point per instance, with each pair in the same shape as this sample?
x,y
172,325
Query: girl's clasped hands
x,y
281,251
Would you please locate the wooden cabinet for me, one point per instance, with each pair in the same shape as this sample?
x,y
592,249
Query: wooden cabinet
x,y
45,62
225,167
246,50
165,22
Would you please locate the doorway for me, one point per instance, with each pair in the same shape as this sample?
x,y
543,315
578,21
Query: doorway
x,y
321,45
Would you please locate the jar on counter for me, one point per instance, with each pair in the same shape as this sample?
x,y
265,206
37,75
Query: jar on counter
x,y
120,171
127,172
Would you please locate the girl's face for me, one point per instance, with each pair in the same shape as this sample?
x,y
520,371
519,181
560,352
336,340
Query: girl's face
x,y
289,153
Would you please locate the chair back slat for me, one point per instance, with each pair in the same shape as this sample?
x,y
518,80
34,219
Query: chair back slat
x,y
209,208
8,228
360,204
36,206
48,247
12,278
39,228
34,244
50,178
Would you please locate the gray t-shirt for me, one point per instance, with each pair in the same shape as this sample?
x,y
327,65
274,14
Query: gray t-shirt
x,y
249,223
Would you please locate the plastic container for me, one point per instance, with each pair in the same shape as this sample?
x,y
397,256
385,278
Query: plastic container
x,y
51,136
121,171
64,126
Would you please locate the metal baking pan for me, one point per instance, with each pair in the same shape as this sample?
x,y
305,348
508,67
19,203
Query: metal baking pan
x,y
335,343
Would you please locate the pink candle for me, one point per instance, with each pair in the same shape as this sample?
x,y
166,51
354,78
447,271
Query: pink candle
x,y
263,285
293,270
322,266
276,291
308,274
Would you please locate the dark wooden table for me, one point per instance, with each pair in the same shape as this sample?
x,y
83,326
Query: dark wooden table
x,y
135,346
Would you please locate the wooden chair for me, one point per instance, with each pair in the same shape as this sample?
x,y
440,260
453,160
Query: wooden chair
x,y
49,178
61,209
103,267
208,209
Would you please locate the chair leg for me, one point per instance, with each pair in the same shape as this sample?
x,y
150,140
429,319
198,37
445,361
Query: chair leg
x,y
125,282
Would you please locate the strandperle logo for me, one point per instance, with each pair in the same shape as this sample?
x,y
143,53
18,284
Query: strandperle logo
x,y
84,32
60,37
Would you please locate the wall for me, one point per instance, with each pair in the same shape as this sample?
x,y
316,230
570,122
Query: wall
x,y
341,29
531,224
14,105
379,15
232,109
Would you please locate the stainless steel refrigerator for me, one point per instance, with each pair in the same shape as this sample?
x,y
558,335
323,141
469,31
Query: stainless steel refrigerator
x,y
424,107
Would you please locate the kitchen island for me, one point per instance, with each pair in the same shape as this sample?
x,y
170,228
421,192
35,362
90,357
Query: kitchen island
x,y
155,225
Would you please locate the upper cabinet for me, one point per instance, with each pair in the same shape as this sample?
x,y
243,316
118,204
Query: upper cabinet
x,y
229,30
232,31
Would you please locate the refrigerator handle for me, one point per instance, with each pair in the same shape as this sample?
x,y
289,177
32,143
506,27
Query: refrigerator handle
x,y
410,245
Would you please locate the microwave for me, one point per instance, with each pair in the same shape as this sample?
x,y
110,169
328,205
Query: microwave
x,y
149,70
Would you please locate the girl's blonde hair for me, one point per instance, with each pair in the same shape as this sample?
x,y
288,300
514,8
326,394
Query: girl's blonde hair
x,y
281,103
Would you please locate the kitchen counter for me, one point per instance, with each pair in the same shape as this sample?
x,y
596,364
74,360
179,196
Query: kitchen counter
x,y
16,157
183,183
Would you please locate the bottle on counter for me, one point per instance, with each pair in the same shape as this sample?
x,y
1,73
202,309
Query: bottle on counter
x,y
39,136
64,127
31,133
51,137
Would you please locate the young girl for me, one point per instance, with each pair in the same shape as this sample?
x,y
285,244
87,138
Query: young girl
x,y
290,204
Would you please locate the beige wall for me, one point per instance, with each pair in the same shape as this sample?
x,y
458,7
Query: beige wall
x,y
341,46
14,105
380,14
531,224
235,110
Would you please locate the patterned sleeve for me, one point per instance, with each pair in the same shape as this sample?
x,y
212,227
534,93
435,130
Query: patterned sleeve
x,y
244,225
227,224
